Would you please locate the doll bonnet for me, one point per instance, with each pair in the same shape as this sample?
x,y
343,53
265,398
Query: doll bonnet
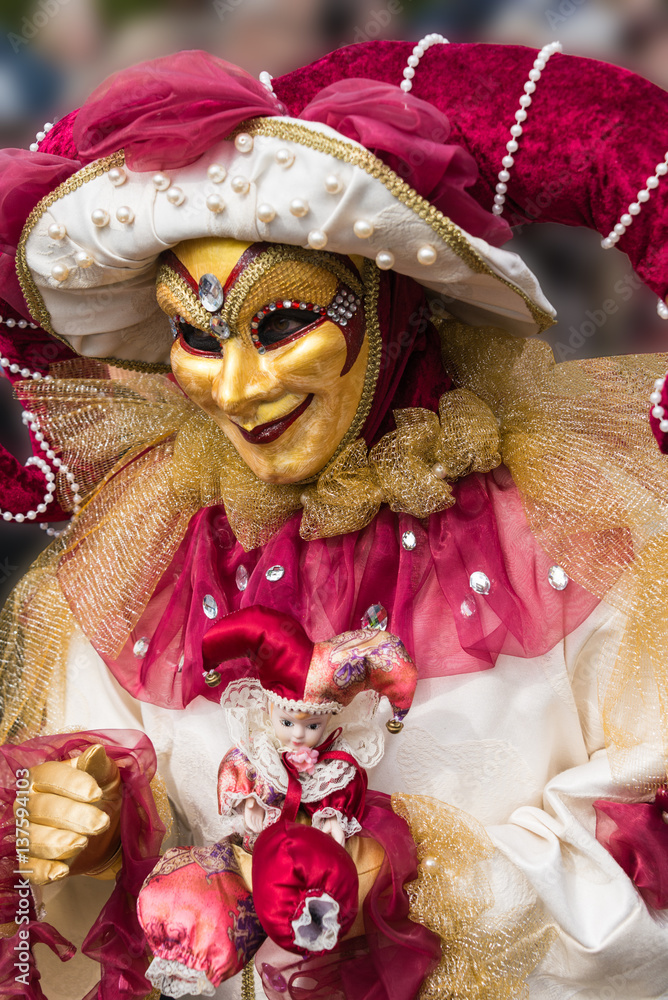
x,y
319,677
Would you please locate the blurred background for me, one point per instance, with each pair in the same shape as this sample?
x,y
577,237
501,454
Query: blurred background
x,y
54,52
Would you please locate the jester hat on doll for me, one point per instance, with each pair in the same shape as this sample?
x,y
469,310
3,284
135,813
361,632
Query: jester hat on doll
x,y
321,677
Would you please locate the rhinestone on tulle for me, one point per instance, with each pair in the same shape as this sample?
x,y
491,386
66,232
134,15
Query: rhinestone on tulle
x,y
275,573
375,617
211,293
241,577
467,608
209,606
140,648
558,577
182,660
479,583
408,540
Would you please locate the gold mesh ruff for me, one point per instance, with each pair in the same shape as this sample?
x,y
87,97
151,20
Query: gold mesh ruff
x,y
35,630
575,437
486,954
577,440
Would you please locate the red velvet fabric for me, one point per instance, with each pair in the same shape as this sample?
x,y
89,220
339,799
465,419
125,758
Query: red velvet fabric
x,y
572,166
654,422
115,939
636,835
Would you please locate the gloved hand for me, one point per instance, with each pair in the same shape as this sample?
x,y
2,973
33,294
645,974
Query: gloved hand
x,y
72,816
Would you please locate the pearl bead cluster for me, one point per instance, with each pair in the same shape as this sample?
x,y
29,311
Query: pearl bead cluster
x,y
34,146
41,463
317,239
658,410
344,307
273,307
540,62
636,206
31,420
57,232
414,59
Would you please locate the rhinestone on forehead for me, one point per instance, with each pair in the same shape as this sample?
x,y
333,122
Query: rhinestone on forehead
x,y
211,293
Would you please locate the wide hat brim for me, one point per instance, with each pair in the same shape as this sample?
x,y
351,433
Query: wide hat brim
x,y
107,308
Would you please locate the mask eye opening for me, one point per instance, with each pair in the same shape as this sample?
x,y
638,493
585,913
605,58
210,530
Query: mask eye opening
x,y
193,339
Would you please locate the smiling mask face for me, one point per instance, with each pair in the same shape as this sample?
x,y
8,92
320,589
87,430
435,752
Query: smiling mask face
x,y
286,384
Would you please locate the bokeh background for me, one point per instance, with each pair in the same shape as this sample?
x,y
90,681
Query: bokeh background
x,y
54,52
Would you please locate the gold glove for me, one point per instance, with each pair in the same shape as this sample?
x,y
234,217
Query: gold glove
x,y
74,817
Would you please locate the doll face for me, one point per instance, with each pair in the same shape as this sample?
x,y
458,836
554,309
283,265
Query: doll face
x,y
286,384
298,729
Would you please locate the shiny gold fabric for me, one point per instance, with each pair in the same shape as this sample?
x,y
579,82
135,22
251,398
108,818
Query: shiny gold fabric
x,y
487,951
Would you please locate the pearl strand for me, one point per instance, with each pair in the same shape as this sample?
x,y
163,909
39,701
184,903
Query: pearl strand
x,y
414,59
34,146
636,206
30,419
658,410
540,62
21,323
265,79
41,463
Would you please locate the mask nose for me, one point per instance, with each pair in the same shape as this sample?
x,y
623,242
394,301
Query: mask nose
x,y
241,381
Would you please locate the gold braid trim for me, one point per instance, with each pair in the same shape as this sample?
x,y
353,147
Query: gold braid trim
x,y
248,981
356,155
486,954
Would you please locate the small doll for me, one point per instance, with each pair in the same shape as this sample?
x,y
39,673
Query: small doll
x,y
299,819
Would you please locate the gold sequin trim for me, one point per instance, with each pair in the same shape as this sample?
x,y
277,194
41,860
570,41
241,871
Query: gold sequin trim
x,y
447,230
248,982
269,259
197,315
183,296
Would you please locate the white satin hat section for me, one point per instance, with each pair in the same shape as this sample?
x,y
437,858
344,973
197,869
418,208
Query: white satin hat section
x,y
97,281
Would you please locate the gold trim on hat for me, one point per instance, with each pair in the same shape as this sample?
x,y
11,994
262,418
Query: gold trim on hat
x,y
358,156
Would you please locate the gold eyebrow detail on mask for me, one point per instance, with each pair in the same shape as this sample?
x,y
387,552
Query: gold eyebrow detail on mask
x,y
174,294
173,291
268,259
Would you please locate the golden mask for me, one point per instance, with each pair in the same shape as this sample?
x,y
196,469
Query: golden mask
x,y
281,366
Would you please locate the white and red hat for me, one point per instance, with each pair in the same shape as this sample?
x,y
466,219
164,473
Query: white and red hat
x,y
320,677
